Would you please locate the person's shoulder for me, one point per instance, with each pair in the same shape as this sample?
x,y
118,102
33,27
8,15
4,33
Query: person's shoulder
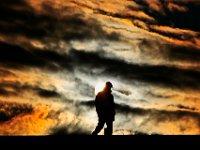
x,y
99,94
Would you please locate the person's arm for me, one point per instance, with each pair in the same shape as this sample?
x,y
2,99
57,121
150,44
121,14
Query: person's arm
x,y
113,104
97,105
112,108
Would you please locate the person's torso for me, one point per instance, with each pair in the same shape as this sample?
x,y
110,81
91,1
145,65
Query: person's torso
x,y
105,101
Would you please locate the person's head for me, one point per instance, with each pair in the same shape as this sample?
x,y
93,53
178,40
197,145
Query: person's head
x,y
108,86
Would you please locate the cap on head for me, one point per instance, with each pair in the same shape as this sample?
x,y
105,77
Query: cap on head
x,y
109,84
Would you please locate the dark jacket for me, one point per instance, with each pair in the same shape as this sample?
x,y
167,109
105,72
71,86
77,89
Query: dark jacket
x,y
105,105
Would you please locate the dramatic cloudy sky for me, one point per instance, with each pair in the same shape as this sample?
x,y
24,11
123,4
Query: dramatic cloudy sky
x,y
54,52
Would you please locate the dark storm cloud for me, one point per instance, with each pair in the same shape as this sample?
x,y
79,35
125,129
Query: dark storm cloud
x,y
9,110
187,19
153,114
84,88
4,92
154,95
159,115
169,52
154,74
46,93
9,88
183,107
182,53
125,92
19,21
173,19
89,103
32,25
17,57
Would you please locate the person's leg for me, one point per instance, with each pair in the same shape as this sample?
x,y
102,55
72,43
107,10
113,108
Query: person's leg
x,y
99,127
109,129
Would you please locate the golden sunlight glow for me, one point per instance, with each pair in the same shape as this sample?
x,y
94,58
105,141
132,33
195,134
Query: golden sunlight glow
x,y
99,87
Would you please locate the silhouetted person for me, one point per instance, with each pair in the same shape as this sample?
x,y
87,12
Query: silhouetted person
x,y
105,108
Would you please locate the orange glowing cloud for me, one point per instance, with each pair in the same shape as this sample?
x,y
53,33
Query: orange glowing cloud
x,y
33,123
141,24
177,31
174,7
177,36
155,5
